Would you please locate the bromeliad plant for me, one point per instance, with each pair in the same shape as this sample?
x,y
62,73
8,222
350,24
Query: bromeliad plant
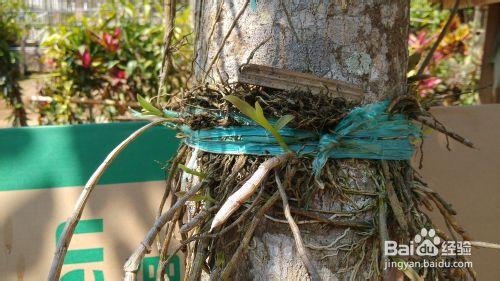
x,y
113,57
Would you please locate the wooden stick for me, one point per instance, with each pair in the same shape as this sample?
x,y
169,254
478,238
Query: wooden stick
x,y
288,80
69,228
301,250
132,265
247,190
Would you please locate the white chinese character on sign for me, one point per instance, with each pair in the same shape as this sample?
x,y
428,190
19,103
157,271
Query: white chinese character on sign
x,y
464,248
448,248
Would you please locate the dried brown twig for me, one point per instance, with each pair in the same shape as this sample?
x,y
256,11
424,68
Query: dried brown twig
x,y
481,244
382,226
69,228
132,265
169,8
393,199
428,58
440,128
230,267
301,250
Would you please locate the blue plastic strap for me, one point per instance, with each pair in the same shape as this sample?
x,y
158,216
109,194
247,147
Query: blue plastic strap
x,y
253,5
367,132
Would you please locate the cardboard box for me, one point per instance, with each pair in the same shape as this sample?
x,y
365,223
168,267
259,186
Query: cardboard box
x,y
42,171
469,178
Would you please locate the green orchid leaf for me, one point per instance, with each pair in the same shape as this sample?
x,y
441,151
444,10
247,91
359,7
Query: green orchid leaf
x,y
259,111
148,107
283,121
243,106
257,115
192,172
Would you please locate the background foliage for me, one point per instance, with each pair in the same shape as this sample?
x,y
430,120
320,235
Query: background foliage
x,y
111,59
454,68
101,63
10,73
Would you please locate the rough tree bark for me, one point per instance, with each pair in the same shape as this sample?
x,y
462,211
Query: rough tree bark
x,y
361,42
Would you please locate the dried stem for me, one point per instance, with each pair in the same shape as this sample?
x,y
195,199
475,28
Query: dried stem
x,y
442,129
301,250
198,261
397,210
232,264
485,245
248,189
171,173
356,224
438,40
198,219
169,7
382,225
67,234
132,265
166,243
168,185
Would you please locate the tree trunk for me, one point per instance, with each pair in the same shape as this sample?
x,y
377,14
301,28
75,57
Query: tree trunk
x,y
361,42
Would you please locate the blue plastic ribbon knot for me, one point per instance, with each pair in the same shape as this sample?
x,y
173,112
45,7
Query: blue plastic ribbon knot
x,y
367,132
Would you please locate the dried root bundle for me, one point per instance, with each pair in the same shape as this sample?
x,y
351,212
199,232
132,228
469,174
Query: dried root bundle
x,y
230,219
346,211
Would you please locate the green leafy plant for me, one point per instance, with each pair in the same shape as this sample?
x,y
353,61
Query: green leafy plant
x,y
257,115
115,56
192,172
10,72
452,75
148,108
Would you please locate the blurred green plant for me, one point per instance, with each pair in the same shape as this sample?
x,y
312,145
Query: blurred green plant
x,y
453,73
10,72
115,57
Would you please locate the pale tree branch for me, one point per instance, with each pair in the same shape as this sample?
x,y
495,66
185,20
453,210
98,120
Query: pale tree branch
x,y
132,265
248,189
69,228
